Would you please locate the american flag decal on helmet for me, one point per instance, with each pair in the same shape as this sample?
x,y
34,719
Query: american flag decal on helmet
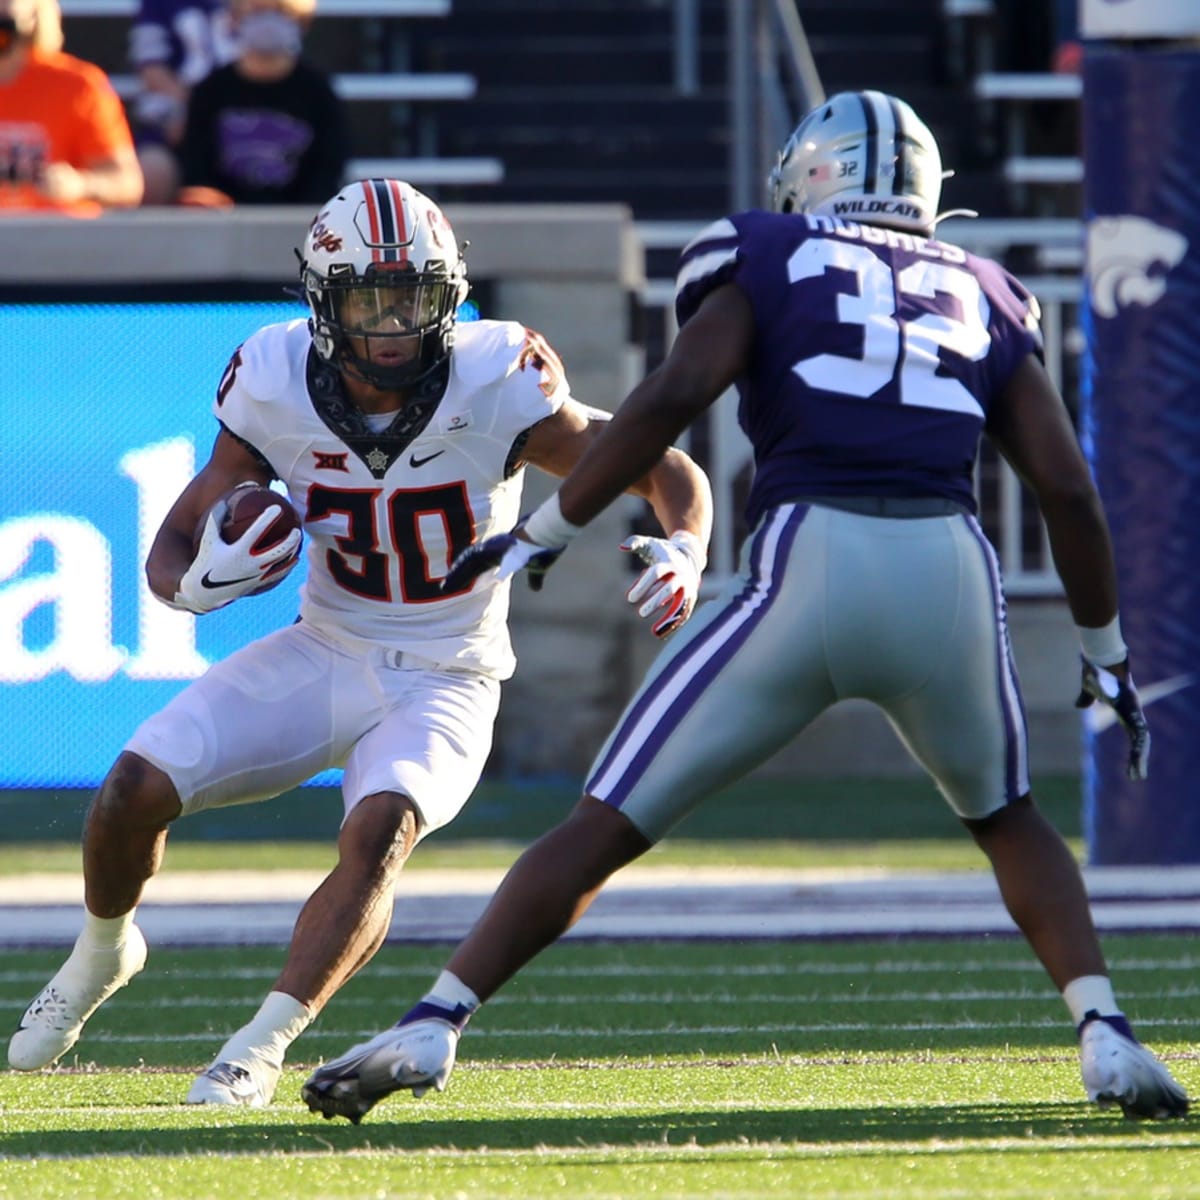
x,y
389,235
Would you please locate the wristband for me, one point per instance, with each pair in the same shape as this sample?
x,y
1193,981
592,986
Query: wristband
x,y
692,546
548,528
1103,647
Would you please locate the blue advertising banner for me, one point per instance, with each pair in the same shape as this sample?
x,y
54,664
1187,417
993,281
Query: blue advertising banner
x,y
1141,429
106,414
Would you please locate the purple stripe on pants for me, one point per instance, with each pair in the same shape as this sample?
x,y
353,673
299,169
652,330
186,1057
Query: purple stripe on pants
x,y
693,670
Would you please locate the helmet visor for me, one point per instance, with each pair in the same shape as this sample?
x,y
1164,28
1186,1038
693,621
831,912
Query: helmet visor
x,y
374,308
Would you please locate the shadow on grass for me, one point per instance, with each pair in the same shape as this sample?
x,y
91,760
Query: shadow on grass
x,y
860,1131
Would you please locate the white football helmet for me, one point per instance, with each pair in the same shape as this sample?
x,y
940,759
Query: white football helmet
x,y
862,156
381,263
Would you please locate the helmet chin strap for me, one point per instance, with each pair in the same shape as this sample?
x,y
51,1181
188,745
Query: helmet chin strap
x,y
954,212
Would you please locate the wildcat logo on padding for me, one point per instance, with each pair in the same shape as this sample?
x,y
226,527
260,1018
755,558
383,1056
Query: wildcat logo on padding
x,y
1129,259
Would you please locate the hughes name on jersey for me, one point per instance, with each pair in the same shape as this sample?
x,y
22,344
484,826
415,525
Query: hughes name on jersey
x,y
878,353
387,510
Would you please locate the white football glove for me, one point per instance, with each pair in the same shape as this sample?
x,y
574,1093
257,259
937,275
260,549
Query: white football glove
x,y
223,571
667,588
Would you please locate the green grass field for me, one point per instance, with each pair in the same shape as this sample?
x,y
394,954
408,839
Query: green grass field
x,y
866,1068
936,1069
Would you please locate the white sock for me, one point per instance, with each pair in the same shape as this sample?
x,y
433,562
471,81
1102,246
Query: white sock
x,y
104,933
278,1023
1090,993
449,991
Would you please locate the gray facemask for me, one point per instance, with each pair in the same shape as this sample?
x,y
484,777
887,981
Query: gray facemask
x,y
269,33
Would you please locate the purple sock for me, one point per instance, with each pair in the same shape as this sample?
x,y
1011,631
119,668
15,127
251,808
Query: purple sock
x,y
458,1016
1116,1020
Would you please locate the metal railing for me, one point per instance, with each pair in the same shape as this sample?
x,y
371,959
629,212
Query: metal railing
x,y
773,82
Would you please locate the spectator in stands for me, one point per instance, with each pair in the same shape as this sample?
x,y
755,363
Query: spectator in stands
x,y
173,45
65,144
268,127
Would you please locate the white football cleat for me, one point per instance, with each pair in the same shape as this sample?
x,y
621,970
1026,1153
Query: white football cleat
x,y
1118,1069
250,1084
418,1056
53,1022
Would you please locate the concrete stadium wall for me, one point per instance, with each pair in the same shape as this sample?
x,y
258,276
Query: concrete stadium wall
x,y
571,272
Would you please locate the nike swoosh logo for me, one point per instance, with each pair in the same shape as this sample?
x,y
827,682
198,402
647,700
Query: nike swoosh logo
x,y
414,461
206,580
1100,717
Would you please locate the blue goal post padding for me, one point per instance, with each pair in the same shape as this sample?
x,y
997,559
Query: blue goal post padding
x,y
1141,430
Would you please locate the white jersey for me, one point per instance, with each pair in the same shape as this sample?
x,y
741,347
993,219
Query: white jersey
x,y
385,514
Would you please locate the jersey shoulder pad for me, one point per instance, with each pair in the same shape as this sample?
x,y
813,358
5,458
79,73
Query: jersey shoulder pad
x,y
714,256
1011,300
505,379
486,351
265,365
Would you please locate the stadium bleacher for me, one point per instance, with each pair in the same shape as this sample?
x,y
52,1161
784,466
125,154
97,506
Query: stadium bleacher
x,y
611,100
1009,97
365,47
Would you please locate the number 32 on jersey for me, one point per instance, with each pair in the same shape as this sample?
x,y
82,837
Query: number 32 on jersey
x,y
906,351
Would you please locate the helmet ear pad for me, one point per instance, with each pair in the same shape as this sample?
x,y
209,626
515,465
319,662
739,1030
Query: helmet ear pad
x,y
861,156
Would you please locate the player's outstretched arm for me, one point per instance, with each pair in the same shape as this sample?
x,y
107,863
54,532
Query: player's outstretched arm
x,y
677,490
711,351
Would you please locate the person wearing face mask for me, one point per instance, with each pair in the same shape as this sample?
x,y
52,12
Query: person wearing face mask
x,y
65,144
266,128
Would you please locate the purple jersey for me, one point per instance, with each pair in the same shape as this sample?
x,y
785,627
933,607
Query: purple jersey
x,y
190,37
878,354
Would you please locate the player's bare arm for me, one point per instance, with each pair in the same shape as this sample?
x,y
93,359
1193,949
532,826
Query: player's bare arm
x,y
171,554
1032,429
115,182
711,351
630,454
676,488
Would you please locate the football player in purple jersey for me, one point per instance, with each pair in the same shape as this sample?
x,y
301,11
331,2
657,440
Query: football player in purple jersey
x,y
868,358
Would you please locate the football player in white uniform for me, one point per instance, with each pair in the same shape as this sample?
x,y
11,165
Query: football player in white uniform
x,y
401,438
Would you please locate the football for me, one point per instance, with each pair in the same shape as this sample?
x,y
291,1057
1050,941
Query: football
x,y
245,506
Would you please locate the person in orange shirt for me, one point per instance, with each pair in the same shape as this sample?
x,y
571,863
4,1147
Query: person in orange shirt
x,y
65,145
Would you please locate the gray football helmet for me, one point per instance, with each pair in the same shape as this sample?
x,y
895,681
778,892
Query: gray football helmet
x,y
862,156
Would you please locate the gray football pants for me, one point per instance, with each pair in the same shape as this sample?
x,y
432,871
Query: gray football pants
x,y
827,605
